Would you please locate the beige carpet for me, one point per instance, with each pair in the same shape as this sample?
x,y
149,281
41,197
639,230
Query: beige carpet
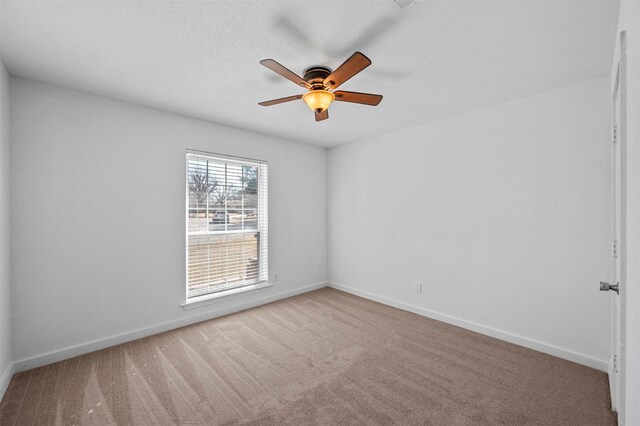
x,y
325,357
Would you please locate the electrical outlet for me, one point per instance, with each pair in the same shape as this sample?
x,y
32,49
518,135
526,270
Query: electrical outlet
x,y
419,288
275,277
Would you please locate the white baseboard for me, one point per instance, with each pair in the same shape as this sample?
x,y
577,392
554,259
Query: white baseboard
x,y
5,379
479,328
84,348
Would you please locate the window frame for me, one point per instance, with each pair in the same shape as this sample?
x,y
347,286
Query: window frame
x,y
261,229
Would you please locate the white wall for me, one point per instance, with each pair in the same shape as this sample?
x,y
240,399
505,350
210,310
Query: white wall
x,y
5,289
98,217
502,214
629,21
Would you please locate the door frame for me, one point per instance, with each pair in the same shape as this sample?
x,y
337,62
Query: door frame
x,y
617,367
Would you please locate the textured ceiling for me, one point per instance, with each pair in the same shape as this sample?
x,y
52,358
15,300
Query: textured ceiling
x,y
200,58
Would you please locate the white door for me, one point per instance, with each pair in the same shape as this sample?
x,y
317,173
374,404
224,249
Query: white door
x,y
618,163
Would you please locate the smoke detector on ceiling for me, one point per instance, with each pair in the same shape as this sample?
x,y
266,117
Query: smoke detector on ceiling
x,y
402,4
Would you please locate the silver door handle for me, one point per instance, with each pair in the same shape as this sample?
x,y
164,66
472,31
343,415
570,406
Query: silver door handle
x,y
606,287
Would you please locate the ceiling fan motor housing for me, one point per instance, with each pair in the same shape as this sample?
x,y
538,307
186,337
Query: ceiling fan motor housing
x,y
316,75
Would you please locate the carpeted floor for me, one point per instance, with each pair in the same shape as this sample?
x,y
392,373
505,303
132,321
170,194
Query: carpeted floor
x,y
325,357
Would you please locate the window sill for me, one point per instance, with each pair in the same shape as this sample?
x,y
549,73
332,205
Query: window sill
x,y
223,296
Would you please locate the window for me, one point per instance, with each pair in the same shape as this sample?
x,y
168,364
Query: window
x,y
226,225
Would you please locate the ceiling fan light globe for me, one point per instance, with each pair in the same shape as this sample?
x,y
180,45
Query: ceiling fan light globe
x,y
318,100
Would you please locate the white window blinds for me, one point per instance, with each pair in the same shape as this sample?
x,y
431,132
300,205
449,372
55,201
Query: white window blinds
x,y
226,223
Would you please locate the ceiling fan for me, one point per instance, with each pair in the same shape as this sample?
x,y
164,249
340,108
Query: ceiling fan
x,y
321,82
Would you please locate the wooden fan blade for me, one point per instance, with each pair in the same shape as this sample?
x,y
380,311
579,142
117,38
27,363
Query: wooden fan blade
x,y
280,100
358,98
285,72
322,115
352,66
